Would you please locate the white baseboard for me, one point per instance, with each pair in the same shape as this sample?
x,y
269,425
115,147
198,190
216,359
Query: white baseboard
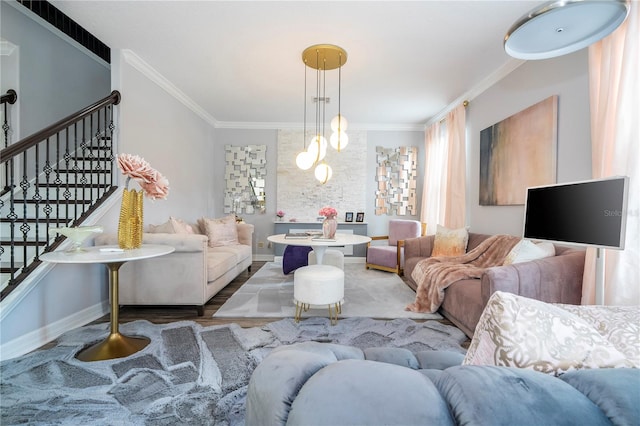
x,y
36,338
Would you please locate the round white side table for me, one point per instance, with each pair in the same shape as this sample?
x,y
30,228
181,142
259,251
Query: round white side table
x,y
116,345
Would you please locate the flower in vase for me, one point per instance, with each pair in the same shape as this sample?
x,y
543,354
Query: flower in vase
x,y
280,213
153,184
328,212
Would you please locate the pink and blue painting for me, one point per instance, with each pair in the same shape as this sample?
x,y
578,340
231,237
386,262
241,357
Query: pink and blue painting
x,y
517,153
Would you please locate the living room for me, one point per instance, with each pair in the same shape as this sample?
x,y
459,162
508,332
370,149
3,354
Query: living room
x,y
187,144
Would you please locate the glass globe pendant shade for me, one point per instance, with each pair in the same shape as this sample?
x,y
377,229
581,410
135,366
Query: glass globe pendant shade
x,y
304,160
339,123
339,140
317,148
323,172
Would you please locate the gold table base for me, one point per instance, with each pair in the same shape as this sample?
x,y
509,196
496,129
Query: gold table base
x,y
116,345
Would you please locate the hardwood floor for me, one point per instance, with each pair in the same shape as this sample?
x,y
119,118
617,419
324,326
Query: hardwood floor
x,y
165,314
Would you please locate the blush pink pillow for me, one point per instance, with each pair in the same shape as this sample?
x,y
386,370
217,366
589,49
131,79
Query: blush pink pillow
x,y
221,232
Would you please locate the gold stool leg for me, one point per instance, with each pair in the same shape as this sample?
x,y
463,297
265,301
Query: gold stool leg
x,y
334,318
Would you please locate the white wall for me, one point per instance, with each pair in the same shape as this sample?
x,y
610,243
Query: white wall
x,y
567,77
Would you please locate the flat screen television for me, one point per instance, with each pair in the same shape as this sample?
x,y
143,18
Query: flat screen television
x,y
589,213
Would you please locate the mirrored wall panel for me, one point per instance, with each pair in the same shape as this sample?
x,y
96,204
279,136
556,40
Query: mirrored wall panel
x,y
396,179
245,173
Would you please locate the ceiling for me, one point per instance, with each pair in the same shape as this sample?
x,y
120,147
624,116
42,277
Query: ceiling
x,y
241,62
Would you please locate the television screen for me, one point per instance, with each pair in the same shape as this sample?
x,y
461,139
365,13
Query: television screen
x,y
589,213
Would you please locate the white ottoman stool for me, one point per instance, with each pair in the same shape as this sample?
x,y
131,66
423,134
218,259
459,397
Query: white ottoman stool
x,y
318,285
331,257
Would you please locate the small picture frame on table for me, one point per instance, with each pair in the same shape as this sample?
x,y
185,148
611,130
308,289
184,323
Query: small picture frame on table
x,y
360,217
348,217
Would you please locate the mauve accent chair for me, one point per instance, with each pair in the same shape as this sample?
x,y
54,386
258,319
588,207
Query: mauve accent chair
x,y
390,257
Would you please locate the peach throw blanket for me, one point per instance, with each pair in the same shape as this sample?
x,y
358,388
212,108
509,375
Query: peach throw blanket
x,y
434,274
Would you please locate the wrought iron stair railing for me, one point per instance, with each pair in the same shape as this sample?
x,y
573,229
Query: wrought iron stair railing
x,y
55,177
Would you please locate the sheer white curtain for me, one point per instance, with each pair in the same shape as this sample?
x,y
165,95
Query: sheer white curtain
x,y
614,79
443,193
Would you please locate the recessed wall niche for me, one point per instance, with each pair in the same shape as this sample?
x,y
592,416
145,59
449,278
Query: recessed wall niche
x,y
245,174
396,179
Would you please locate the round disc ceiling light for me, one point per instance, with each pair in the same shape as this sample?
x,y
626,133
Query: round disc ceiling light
x,y
563,26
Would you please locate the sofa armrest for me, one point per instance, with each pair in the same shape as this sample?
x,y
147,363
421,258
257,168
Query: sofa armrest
x,y
556,279
184,243
245,234
418,247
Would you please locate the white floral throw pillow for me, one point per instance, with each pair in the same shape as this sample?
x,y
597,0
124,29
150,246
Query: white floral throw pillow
x,y
516,331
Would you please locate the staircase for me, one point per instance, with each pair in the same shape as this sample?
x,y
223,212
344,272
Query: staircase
x,y
56,177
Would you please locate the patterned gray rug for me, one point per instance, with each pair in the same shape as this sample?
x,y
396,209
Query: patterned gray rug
x,y
367,293
188,374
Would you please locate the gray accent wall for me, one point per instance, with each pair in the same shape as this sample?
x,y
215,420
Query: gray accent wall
x,y
567,77
56,76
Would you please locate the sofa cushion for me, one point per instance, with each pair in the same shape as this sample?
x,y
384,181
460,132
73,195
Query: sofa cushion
x,y
221,232
240,251
616,391
526,251
360,393
219,263
383,255
510,396
515,331
450,242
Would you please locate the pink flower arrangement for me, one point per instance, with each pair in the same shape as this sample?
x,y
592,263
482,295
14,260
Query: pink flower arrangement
x,y
154,185
328,211
280,213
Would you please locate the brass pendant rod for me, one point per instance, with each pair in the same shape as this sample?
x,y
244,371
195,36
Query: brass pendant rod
x,y
304,123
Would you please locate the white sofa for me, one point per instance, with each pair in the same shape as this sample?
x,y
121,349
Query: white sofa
x,y
191,275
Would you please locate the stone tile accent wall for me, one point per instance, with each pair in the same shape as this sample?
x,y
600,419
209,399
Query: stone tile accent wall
x,y
300,195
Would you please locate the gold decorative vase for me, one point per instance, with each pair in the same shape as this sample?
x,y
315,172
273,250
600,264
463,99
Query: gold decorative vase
x,y
130,224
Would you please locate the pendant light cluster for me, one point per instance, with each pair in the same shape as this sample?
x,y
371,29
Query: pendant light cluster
x,y
322,58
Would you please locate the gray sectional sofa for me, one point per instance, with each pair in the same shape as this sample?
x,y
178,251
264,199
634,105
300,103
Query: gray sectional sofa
x,y
556,279
328,384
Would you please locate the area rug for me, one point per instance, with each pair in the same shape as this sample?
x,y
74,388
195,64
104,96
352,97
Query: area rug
x,y
188,374
367,293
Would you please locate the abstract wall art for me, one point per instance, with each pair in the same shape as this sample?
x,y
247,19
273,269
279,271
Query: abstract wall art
x,y
517,153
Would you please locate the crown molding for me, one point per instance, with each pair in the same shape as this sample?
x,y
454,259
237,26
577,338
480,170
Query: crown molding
x,y
391,127
148,71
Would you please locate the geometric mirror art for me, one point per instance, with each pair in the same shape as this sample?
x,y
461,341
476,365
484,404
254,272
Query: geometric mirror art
x,y
396,179
245,174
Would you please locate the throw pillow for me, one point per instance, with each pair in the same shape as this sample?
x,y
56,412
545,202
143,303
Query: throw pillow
x,y
165,228
527,250
171,226
620,325
180,226
450,242
221,232
516,331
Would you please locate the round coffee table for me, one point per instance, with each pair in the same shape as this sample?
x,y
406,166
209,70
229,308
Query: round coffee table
x,y
319,245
